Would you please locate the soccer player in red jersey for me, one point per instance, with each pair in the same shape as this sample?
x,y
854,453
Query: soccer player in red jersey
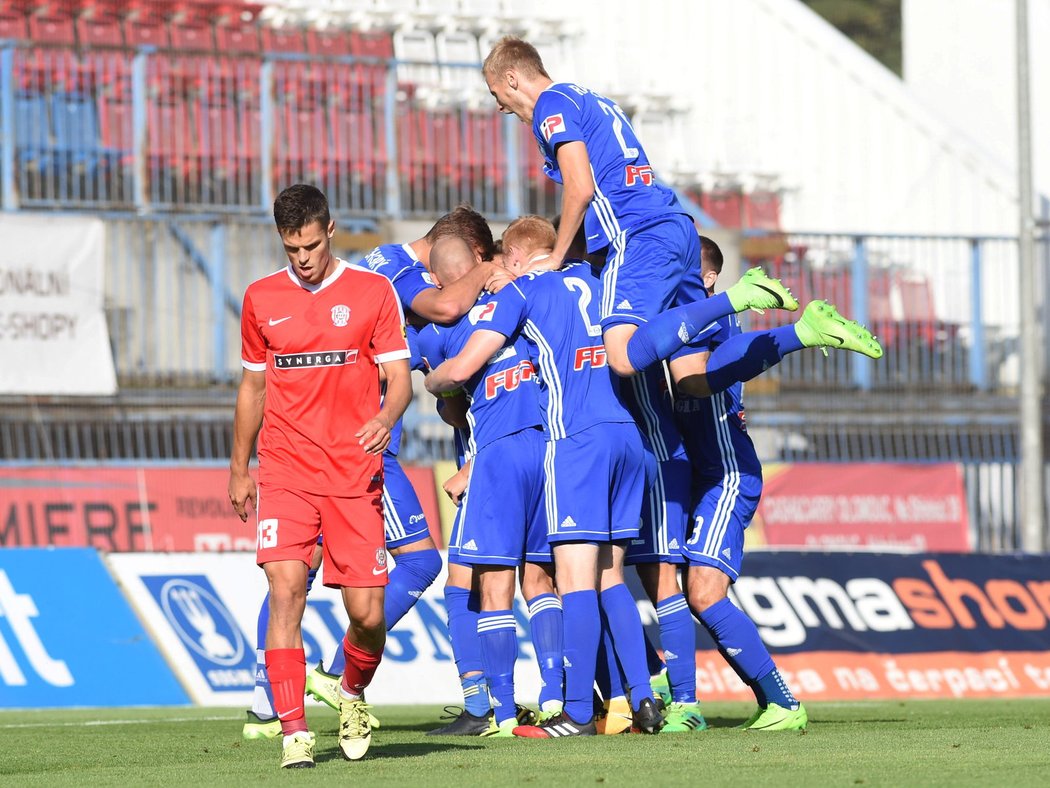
x,y
315,335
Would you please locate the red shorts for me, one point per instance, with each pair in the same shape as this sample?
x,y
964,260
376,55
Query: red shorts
x,y
354,543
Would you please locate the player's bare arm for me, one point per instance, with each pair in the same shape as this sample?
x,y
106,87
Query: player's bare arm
x,y
453,410
454,372
578,191
374,435
447,304
690,374
456,485
247,421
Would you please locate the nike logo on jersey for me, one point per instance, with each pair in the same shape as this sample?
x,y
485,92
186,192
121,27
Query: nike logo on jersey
x,y
379,570
279,320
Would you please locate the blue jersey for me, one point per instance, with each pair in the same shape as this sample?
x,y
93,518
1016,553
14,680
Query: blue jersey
x,y
714,428
648,398
503,395
557,312
626,193
399,264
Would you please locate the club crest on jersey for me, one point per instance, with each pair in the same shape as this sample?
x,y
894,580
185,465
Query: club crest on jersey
x,y
482,313
551,125
340,315
638,172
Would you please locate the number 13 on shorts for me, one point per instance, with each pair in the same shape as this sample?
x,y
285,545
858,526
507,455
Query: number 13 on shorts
x,y
268,533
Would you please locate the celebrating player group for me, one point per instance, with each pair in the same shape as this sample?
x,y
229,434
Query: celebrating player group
x,y
594,377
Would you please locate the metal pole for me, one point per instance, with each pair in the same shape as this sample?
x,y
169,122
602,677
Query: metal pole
x,y
1031,419
859,307
978,368
8,194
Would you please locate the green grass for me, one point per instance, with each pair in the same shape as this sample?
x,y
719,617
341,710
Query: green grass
x,y
875,743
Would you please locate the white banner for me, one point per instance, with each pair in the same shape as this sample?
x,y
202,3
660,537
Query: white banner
x,y
202,610
53,333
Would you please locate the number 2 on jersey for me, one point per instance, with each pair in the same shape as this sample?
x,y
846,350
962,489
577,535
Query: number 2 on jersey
x,y
619,119
577,284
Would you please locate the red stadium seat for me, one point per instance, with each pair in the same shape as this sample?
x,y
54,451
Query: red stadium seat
x,y
762,210
116,129
282,40
237,38
301,144
356,147
328,42
724,206
52,25
170,139
97,27
13,23
485,147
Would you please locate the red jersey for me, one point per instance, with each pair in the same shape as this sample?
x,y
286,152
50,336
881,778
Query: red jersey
x,y
319,346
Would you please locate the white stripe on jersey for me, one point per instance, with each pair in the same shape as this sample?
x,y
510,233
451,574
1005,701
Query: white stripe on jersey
x,y
549,374
471,447
650,417
392,524
658,512
464,503
550,488
731,479
610,274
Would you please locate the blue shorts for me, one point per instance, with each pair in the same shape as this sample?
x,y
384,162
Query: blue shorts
x,y
403,518
650,268
665,510
724,508
454,538
502,512
595,480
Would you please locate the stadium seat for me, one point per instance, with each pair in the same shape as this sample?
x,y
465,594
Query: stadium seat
x,y
145,27
301,144
725,206
190,28
422,75
234,35
170,140
485,148
116,130
98,26
358,150
377,46
282,40
328,42
762,210
13,22
77,146
459,47
32,131
52,24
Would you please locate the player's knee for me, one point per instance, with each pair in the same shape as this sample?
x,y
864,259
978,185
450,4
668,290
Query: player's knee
x,y
423,565
369,631
702,597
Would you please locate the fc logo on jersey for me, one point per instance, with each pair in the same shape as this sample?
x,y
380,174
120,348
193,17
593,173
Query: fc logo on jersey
x,y
638,172
482,313
340,315
551,125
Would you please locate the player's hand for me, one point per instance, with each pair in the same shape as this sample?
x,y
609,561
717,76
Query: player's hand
x,y
499,279
242,489
455,486
374,436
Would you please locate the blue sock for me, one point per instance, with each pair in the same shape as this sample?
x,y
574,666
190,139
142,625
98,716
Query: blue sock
x,y
745,356
653,663
463,610
671,330
545,618
582,633
262,699
625,626
411,576
497,632
776,690
738,640
608,675
678,636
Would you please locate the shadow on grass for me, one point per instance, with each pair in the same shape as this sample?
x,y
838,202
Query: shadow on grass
x,y
407,750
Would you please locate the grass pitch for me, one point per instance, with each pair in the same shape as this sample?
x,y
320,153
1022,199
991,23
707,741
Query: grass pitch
x,y
876,743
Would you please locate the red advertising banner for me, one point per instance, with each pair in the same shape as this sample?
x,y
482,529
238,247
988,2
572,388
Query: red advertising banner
x,y
138,509
916,507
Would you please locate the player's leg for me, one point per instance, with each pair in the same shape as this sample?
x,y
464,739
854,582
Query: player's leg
x,y
751,353
262,719
289,525
715,554
616,716
417,562
355,561
497,632
546,623
463,605
639,329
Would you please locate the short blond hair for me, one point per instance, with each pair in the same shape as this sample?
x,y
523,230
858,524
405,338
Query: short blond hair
x,y
511,52
530,233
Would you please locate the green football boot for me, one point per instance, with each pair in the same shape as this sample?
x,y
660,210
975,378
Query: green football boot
x,y
683,718
258,728
822,326
755,290
777,718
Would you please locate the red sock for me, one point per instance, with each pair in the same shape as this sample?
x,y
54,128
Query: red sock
x,y
286,668
360,667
